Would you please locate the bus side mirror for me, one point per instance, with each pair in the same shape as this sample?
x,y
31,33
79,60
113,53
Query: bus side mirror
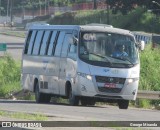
x,y
75,41
142,45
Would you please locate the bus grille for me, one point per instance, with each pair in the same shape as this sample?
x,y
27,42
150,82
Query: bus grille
x,y
104,79
109,90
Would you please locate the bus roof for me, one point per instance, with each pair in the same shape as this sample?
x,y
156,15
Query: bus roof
x,y
98,28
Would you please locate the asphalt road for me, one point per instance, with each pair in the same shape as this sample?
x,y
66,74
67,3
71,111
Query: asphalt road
x,y
96,113
14,45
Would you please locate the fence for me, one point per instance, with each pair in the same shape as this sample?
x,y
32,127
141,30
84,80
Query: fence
x,y
155,95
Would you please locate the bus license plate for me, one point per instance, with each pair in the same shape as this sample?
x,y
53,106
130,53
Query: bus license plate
x,y
110,85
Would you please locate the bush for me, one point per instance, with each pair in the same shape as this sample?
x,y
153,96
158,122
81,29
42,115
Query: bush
x,y
9,76
150,69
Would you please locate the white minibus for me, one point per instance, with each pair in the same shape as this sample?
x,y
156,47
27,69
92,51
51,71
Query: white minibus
x,y
85,64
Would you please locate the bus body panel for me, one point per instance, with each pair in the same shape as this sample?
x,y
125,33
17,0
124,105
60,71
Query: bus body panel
x,y
90,87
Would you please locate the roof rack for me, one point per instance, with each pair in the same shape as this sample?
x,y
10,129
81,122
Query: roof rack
x,y
97,24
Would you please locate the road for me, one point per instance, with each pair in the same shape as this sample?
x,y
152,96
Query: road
x,y
97,113
64,112
14,45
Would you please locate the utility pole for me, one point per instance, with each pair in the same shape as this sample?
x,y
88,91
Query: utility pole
x,y
40,7
95,4
45,7
108,20
48,7
7,10
0,7
11,11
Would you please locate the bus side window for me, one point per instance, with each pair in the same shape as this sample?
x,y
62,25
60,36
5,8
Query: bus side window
x,y
59,43
38,42
27,42
45,43
51,44
67,40
72,53
31,43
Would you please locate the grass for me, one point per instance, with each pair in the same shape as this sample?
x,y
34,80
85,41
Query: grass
x,y
150,69
14,33
26,116
9,76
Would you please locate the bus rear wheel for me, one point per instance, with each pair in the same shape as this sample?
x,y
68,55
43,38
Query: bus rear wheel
x,y
38,95
41,97
123,104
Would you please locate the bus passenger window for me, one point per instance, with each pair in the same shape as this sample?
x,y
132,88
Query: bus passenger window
x,y
31,43
44,42
27,42
37,42
59,43
52,43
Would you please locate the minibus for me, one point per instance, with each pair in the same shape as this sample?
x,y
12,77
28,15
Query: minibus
x,y
82,63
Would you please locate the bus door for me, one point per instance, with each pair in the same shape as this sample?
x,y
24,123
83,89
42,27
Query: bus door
x,y
63,63
56,59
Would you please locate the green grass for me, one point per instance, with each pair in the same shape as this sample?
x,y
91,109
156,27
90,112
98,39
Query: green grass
x,y
19,115
14,33
9,76
150,69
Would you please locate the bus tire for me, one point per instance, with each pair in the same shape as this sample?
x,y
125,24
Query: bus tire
x,y
84,102
38,95
91,102
73,100
87,101
123,104
46,97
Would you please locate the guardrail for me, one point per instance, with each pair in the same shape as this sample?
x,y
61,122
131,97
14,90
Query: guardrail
x,y
148,94
15,45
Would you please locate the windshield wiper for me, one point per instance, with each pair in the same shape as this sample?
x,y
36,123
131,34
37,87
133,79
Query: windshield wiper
x,y
124,59
105,57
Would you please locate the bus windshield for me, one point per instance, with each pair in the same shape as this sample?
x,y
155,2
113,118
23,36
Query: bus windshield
x,y
108,49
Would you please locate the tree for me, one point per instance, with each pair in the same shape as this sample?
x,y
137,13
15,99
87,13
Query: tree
x,y
125,6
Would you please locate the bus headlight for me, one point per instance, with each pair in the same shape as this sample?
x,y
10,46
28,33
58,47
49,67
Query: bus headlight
x,y
87,76
131,80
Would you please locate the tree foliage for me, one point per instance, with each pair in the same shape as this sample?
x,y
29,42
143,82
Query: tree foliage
x,y
125,6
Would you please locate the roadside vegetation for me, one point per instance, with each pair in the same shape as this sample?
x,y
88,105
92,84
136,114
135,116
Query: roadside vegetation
x,y
9,76
149,80
136,20
9,32
26,116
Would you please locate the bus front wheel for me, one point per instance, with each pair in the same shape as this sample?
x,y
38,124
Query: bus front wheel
x,y
73,100
87,101
123,104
